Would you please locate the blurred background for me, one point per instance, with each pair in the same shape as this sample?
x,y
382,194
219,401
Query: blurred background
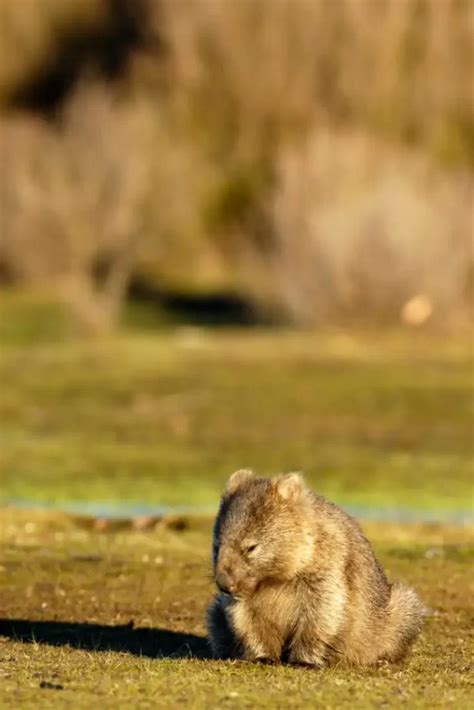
x,y
237,233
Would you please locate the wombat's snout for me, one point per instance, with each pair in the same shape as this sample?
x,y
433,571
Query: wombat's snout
x,y
223,581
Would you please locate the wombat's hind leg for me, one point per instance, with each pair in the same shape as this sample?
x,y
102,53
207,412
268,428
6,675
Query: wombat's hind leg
x,y
405,617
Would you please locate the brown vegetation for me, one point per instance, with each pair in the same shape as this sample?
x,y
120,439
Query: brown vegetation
x,y
285,149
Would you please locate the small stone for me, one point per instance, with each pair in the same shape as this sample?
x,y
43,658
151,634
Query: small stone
x,y
45,684
101,524
145,522
175,522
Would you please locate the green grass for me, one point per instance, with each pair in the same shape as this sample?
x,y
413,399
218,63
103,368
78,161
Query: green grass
x,y
31,318
372,420
114,615
117,618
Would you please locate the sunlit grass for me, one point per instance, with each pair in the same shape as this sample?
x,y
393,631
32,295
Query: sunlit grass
x,y
164,418
96,595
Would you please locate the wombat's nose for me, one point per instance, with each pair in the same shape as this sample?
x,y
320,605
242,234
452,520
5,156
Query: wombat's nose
x,y
223,582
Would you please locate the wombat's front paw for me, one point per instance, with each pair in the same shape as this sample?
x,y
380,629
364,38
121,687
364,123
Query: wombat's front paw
x,y
305,664
310,660
261,655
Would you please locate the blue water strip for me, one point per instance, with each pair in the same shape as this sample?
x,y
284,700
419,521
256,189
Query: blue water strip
x,y
116,510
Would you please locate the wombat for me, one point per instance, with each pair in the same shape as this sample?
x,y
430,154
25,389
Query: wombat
x,y
299,583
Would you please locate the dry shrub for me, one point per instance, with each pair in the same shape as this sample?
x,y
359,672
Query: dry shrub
x,y
215,152
345,223
361,227
109,192
258,71
72,203
242,67
29,31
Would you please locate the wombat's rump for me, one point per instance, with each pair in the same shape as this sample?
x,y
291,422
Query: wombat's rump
x,y
299,582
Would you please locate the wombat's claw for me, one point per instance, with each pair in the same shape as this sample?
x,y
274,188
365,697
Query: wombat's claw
x,y
307,664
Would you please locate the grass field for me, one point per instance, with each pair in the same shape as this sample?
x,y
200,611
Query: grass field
x,y
371,420
117,618
94,612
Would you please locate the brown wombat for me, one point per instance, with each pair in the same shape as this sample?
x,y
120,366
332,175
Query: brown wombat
x,y
298,581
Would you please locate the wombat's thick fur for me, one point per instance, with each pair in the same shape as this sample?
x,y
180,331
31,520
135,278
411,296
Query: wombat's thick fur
x,y
298,581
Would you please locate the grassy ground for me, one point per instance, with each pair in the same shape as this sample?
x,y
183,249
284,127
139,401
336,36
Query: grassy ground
x,y
112,614
381,421
116,618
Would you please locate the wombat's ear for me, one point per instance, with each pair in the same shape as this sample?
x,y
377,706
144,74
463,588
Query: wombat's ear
x,y
289,486
237,480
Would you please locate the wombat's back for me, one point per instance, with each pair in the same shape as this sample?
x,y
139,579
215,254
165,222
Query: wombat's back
x,y
382,619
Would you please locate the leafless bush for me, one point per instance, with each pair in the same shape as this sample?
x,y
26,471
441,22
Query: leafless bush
x,y
109,191
72,203
211,160
29,32
259,71
361,228
351,222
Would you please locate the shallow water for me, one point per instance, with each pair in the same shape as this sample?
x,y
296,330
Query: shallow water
x,y
113,510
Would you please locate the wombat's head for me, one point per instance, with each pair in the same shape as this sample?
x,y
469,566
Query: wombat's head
x,y
261,534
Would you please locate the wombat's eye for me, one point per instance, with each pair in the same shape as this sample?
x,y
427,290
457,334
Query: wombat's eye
x,y
250,548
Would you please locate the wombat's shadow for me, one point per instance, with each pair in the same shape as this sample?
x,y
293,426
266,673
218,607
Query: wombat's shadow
x,y
154,642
